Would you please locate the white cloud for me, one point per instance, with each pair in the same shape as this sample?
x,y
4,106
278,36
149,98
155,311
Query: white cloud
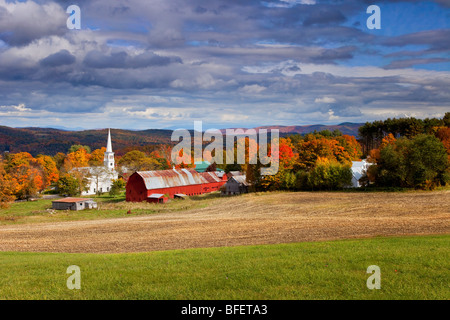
x,y
252,89
325,100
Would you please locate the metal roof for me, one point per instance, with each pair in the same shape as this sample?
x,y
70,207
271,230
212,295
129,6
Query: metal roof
x,y
156,195
171,178
211,177
73,200
240,179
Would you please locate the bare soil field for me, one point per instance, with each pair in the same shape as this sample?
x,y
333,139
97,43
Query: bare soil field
x,y
250,219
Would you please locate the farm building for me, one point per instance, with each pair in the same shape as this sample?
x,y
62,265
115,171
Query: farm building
x,y
141,185
233,173
157,198
202,166
74,204
236,185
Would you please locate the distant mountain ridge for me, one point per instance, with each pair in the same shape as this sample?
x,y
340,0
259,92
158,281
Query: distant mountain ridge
x,y
50,141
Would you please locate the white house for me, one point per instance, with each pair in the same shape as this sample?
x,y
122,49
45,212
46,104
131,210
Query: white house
x,y
359,169
100,178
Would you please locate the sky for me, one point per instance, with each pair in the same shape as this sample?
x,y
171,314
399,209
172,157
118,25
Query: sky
x,y
145,64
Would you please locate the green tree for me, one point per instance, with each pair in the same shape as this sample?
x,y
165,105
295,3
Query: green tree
x,y
76,147
138,161
420,162
329,175
68,185
117,187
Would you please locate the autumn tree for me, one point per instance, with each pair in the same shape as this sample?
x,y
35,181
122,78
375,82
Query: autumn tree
x,y
50,170
329,175
27,173
7,187
78,159
138,161
97,157
76,147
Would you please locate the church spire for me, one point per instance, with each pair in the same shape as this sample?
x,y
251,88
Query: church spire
x,y
109,154
109,145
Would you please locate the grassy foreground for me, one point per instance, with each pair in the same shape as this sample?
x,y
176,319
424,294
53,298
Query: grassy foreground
x,y
411,268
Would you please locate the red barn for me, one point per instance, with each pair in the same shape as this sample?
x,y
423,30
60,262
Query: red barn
x,y
142,185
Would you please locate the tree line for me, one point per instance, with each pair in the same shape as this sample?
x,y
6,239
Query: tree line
x,y
406,153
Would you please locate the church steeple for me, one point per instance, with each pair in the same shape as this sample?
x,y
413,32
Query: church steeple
x,y
109,145
109,154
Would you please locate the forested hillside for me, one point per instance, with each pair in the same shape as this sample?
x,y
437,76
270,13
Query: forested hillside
x,y
51,141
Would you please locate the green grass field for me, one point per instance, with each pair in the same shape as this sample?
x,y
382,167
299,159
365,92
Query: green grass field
x,y
411,268
108,207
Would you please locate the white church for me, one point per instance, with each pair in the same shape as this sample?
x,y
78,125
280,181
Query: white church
x,y
100,178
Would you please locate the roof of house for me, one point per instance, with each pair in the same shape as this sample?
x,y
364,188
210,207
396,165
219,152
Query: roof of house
x,y
240,179
73,200
201,166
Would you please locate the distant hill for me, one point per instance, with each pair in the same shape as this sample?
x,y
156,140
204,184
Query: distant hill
x,y
346,128
50,141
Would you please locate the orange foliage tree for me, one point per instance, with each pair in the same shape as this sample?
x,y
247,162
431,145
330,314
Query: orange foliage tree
x,y
7,187
97,157
27,174
77,159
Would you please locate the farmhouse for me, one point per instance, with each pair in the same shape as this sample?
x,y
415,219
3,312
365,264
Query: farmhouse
x,y
236,185
359,169
74,204
143,184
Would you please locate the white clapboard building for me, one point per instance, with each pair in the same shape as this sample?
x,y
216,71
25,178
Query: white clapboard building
x,y
100,178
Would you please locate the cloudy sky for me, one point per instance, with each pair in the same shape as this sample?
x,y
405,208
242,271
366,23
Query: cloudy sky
x,y
139,64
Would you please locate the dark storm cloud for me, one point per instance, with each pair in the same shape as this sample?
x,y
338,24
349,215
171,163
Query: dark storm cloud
x,y
269,60
122,60
324,16
23,22
331,55
60,58
406,63
438,40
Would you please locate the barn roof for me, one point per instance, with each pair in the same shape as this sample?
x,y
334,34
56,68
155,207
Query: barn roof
x,y
210,177
171,178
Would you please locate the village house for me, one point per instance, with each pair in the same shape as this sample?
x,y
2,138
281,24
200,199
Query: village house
x,y
359,169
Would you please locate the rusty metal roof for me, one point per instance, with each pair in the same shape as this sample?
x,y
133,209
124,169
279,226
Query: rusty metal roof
x,y
240,179
211,177
73,200
171,178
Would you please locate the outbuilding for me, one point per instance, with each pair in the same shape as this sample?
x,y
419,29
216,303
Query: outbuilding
x,y
236,185
157,198
74,204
